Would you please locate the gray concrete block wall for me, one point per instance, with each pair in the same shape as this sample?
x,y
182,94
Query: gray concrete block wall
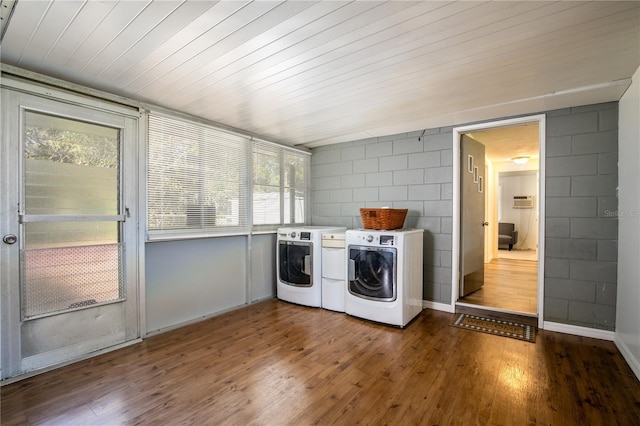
x,y
581,204
581,216
398,171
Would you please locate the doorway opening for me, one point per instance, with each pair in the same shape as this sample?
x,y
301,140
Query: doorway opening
x,y
503,225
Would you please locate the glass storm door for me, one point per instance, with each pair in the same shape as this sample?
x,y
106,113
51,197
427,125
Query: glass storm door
x,y
70,285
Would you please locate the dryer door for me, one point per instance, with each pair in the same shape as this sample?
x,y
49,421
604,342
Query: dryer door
x,y
295,266
372,273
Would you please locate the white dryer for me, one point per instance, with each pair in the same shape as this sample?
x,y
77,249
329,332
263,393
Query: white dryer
x,y
384,275
299,264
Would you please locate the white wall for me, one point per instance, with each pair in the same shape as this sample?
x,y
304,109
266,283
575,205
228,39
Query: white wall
x,y
628,297
525,220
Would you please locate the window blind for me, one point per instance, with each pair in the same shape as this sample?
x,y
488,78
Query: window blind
x,y
197,178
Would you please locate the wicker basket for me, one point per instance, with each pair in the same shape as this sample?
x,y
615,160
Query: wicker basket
x,y
384,219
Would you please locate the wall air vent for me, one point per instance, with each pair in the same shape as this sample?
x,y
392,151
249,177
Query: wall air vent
x,y
523,201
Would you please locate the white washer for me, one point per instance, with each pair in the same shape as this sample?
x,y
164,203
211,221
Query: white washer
x,y
334,274
299,264
384,282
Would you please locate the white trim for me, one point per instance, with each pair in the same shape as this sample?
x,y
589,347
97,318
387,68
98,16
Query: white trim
x,y
279,145
143,125
184,236
427,304
577,330
33,218
633,362
542,208
248,283
271,231
455,232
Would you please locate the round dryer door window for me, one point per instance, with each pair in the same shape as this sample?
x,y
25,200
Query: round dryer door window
x,y
372,273
295,263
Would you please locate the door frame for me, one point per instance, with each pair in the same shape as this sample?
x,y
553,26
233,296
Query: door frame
x,y
540,119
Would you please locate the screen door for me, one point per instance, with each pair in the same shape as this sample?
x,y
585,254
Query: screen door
x,y
71,287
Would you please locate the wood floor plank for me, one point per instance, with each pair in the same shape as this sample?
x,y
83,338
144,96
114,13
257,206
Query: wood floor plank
x,y
509,284
279,363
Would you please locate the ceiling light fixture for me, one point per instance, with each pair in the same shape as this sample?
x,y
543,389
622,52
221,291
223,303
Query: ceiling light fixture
x,y
520,160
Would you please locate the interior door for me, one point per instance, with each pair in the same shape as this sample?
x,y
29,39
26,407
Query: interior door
x,y
472,215
69,251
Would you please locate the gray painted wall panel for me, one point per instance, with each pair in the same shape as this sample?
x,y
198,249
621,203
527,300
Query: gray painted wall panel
x,y
263,267
188,280
582,226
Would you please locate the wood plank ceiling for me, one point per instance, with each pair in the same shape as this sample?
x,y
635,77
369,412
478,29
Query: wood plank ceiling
x,y
310,73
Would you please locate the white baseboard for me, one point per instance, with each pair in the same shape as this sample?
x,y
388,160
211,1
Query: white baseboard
x,y
628,356
438,306
579,331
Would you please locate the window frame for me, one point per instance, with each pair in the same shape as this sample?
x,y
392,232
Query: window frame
x,y
282,151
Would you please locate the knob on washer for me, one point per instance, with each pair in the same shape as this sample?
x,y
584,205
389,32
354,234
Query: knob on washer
x,y
369,238
293,235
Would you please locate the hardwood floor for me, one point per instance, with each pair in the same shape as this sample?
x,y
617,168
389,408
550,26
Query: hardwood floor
x,y
509,284
275,363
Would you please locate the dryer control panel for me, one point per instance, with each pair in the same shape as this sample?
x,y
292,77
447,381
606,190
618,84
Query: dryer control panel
x,y
386,240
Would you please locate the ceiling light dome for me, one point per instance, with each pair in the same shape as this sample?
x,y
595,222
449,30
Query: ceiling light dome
x,y
521,159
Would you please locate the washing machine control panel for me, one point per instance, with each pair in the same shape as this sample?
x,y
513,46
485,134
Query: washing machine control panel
x,y
305,236
377,239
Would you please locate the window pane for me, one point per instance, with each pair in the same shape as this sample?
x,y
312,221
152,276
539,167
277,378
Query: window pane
x,y
266,169
296,169
294,206
266,205
279,184
71,167
266,184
